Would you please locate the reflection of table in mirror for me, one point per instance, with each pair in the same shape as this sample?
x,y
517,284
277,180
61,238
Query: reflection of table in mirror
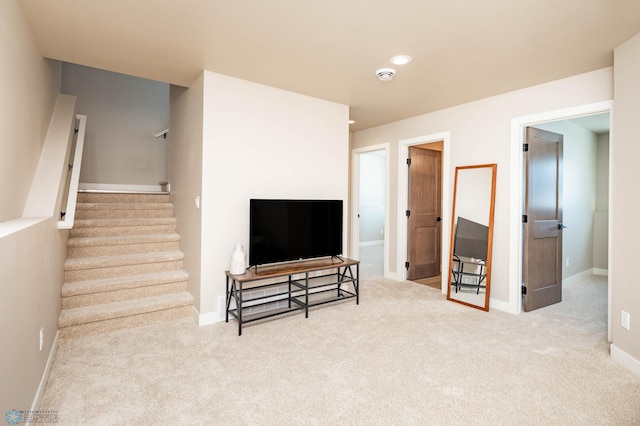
x,y
468,272
472,235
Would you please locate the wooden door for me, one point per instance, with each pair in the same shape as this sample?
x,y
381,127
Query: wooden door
x,y
424,222
543,219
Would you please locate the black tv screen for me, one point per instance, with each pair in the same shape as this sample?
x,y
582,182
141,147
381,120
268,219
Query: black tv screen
x,y
287,230
471,239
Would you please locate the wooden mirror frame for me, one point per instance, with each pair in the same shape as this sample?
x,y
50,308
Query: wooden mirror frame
x,y
487,265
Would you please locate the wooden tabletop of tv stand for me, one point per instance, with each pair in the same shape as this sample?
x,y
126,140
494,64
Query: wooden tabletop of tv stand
x,y
291,268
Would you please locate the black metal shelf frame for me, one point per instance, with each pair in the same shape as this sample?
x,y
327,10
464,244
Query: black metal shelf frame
x,y
300,293
459,274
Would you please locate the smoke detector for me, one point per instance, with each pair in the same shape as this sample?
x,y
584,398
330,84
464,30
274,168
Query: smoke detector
x,y
385,74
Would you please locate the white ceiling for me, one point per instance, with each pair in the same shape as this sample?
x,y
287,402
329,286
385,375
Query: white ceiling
x,y
462,50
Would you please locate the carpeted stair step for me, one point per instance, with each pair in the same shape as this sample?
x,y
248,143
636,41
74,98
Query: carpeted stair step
x,y
122,210
89,268
122,226
123,314
116,197
124,266
93,292
121,244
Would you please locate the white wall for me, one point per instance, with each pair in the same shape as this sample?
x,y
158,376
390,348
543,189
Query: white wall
x,y
625,151
372,196
30,301
257,142
185,175
579,194
123,113
480,134
30,295
29,85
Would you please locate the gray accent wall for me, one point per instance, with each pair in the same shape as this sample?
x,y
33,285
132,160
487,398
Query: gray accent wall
x,y
601,218
123,114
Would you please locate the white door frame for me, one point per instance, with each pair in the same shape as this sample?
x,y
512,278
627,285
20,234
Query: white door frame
x,y
355,199
403,198
518,125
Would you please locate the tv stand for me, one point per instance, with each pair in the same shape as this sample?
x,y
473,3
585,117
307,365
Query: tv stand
x,y
307,284
294,262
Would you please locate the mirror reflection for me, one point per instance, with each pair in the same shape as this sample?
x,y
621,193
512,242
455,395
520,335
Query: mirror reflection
x,y
471,235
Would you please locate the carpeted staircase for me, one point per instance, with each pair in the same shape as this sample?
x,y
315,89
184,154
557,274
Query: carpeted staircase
x,y
124,266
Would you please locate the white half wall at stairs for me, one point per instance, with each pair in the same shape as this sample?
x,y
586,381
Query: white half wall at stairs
x,y
47,182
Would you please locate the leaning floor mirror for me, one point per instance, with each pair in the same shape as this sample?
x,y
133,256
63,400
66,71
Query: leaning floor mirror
x,y
472,235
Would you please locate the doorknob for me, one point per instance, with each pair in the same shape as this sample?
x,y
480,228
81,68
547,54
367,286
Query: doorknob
x,y
561,226
438,219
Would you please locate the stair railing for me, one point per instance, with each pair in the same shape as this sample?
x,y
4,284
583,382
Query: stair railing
x,y
68,210
161,133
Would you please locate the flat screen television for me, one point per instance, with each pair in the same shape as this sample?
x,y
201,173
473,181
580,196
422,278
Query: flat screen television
x,y
289,230
471,239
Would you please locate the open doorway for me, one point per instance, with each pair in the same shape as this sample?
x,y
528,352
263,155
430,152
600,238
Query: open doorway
x,y
370,213
424,214
585,195
440,143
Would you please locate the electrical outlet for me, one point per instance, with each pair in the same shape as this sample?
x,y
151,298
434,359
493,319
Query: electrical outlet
x,y
625,319
567,261
197,201
41,338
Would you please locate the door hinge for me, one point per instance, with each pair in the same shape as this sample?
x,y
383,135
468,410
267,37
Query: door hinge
x,y
524,290
62,215
525,147
408,213
408,161
406,265
525,218
76,131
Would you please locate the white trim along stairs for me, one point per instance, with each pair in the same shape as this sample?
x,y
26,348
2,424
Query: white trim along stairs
x,y
124,266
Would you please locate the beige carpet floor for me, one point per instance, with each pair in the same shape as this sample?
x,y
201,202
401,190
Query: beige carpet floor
x,y
404,356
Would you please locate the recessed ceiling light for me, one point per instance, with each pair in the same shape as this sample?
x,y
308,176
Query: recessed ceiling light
x,y
401,60
385,74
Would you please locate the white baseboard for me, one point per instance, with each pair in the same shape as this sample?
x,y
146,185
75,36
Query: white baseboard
x,y
112,187
585,274
580,276
35,406
625,360
208,318
393,276
499,305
